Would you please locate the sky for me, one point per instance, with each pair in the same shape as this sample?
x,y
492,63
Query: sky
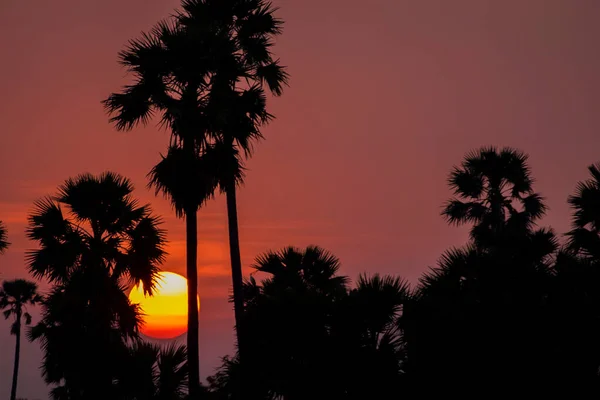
x,y
385,97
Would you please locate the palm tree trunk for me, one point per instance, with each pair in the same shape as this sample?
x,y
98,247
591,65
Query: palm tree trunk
x,y
13,390
236,264
192,276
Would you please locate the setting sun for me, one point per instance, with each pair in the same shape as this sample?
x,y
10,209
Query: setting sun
x,y
165,313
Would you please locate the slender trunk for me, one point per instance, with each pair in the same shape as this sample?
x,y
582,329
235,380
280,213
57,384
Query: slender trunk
x,y
192,276
13,390
236,265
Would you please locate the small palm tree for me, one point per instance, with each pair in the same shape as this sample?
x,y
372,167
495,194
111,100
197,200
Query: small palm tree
x,y
287,316
495,193
95,239
14,297
3,238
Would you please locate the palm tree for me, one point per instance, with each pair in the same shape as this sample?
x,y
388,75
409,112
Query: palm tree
x,y
311,336
157,60
205,73
14,298
244,66
95,239
495,193
287,316
3,238
575,298
182,177
150,372
371,353
584,237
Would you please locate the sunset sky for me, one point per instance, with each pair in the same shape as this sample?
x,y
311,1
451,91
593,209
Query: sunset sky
x,y
385,97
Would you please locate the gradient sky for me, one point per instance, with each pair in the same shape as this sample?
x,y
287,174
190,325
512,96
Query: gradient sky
x,y
385,97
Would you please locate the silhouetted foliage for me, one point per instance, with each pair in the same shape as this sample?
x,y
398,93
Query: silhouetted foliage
x,y
312,336
584,237
15,296
150,372
576,297
497,195
94,239
3,238
205,73
504,314
510,312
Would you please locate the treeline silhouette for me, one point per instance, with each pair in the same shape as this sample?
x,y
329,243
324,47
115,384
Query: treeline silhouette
x,y
510,313
513,311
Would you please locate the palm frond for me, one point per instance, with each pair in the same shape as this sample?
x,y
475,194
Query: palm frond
x,y
185,178
173,372
144,253
3,238
133,105
274,75
458,212
466,183
533,206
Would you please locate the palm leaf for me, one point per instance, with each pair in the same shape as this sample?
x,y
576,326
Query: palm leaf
x,y
3,238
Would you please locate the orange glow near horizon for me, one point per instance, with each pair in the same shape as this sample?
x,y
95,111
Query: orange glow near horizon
x,y
165,313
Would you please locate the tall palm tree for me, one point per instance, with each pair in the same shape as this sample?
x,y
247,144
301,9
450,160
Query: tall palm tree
x,y
204,72
182,177
244,69
485,304
95,239
171,84
15,295
3,238
494,192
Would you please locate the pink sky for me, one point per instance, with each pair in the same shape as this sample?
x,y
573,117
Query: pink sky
x,y
385,97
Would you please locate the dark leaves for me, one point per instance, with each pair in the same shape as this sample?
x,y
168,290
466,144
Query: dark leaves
x,y
184,178
3,238
274,75
15,295
494,190
93,237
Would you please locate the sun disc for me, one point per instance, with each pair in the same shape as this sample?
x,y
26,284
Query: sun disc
x,y
165,313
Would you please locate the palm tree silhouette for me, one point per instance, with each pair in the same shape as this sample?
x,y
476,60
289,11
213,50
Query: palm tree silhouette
x,y
3,238
286,316
494,190
575,296
182,176
95,239
311,336
151,372
15,295
584,237
190,71
485,304
243,67
366,323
